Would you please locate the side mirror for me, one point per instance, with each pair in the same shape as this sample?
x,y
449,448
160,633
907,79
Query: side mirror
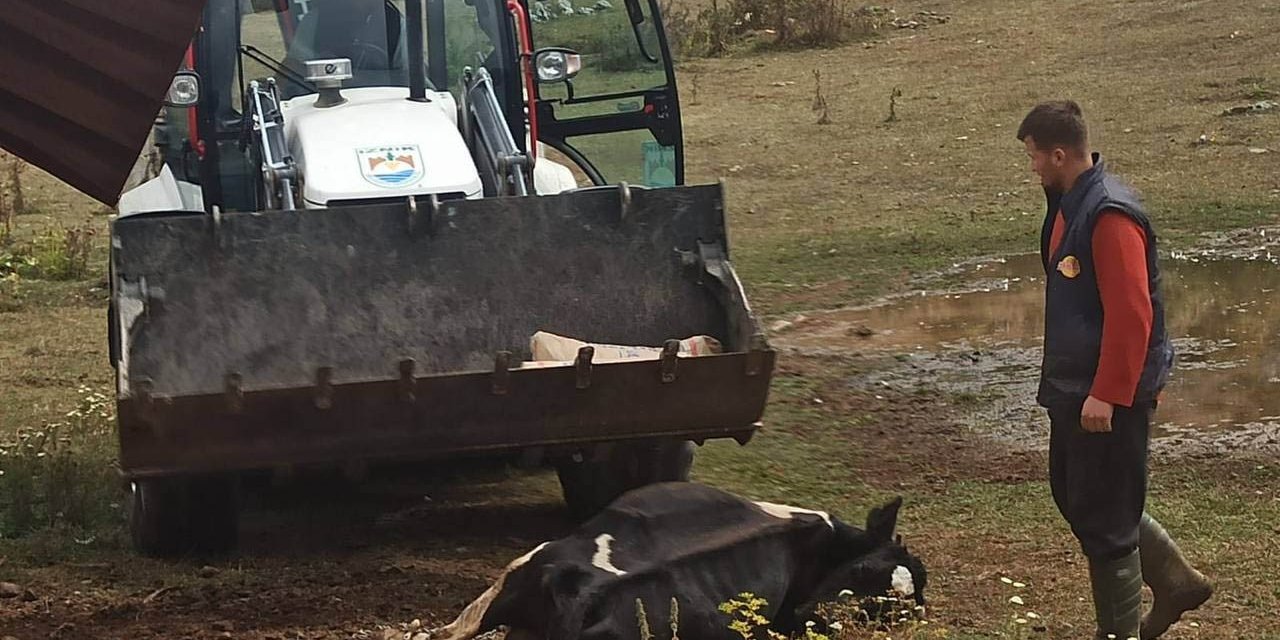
x,y
556,64
184,90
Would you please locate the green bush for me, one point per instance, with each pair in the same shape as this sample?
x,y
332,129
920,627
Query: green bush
x,y
785,23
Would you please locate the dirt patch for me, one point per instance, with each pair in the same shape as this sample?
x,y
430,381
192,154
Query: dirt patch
x,y
307,605
375,556
902,439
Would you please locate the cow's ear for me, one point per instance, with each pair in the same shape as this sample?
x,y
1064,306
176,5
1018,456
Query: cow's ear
x,y
883,520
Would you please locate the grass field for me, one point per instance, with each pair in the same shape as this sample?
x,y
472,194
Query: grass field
x,y
821,216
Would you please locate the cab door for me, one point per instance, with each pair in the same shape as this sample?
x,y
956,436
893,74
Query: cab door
x,y
618,119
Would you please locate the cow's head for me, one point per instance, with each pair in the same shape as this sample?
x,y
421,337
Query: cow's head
x,y
883,580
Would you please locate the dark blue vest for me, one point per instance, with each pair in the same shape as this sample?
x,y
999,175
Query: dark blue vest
x,y
1073,306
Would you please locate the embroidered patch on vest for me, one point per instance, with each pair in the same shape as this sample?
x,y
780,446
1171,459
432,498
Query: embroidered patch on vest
x,y
1069,267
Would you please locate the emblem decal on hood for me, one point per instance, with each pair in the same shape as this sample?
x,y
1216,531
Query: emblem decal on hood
x,y
391,166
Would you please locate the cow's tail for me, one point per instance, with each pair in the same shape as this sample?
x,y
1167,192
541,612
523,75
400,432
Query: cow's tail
x,y
468,624
471,622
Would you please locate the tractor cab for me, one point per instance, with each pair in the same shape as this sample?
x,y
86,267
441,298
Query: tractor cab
x,y
456,89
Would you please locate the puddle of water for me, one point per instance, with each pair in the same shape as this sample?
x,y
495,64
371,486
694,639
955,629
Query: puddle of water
x,y
1224,315
1004,307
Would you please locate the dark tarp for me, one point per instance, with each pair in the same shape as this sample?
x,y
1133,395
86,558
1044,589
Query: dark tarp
x,y
81,82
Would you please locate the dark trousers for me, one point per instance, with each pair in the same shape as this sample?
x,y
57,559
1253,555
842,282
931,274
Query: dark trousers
x,y
1099,480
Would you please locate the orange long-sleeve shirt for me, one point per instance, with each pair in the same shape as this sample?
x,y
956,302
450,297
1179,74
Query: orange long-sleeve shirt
x,y
1120,264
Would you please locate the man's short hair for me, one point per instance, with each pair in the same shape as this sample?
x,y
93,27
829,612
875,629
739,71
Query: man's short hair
x,y
1056,123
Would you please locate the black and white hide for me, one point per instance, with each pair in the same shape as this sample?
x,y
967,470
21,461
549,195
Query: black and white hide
x,y
703,547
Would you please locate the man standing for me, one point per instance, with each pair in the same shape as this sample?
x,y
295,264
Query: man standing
x,y
1106,359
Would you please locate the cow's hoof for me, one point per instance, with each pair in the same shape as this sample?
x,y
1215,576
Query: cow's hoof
x,y
178,516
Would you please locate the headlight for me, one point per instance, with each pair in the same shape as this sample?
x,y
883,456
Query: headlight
x,y
184,90
557,65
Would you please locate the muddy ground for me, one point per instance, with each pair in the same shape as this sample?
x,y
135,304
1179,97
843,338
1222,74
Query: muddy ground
x,y
338,561
898,407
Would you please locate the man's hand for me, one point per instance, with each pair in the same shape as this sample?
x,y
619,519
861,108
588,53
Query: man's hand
x,y
1095,417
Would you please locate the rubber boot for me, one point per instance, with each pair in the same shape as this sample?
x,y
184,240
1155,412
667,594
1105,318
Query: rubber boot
x,y
1117,596
1176,586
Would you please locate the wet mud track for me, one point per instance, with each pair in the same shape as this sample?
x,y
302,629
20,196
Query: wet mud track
x,y
978,335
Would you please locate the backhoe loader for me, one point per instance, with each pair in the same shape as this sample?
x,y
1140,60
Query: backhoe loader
x,y
366,215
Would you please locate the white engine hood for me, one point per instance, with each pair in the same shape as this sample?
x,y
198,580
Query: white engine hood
x,y
379,145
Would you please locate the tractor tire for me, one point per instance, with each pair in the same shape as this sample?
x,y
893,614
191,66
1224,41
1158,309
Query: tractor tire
x,y
156,524
591,485
178,516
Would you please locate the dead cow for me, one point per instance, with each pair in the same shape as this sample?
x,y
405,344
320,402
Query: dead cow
x,y
703,547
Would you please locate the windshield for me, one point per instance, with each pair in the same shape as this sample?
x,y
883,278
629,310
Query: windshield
x,y
288,33
280,36
371,33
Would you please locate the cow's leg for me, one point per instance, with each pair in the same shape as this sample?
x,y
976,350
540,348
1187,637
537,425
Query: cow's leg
x,y
468,624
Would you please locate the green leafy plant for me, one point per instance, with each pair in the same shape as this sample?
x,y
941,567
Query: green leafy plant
x,y
62,253
14,264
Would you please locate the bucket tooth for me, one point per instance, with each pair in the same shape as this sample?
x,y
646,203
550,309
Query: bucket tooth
x,y
324,388
669,359
582,366
408,388
234,386
142,390
149,405
501,373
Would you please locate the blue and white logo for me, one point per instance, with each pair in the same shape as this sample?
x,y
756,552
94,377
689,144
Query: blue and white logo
x,y
391,166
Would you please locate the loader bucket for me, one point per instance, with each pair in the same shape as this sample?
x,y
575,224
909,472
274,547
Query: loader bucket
x,y
402,330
